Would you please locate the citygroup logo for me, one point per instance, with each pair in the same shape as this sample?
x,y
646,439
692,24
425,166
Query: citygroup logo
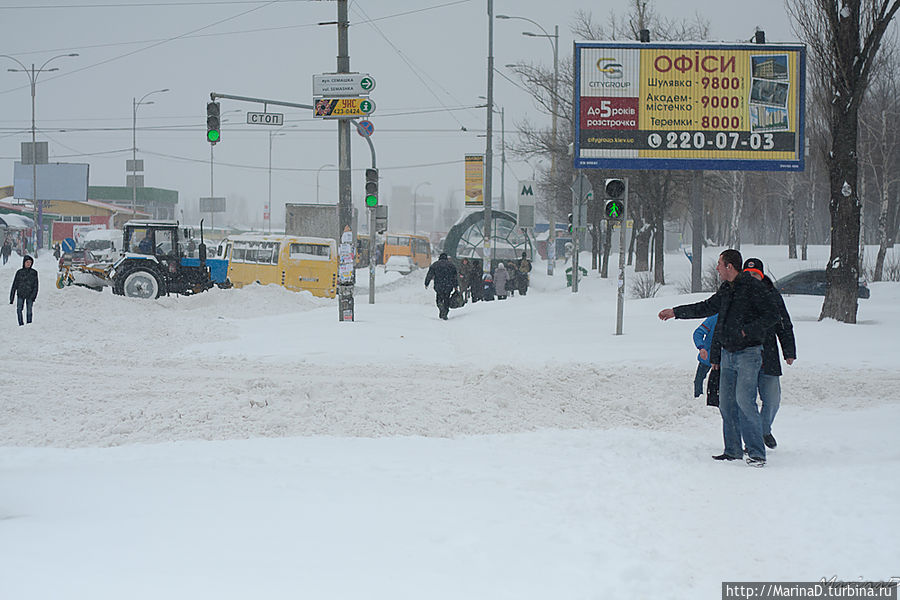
x,y
610,68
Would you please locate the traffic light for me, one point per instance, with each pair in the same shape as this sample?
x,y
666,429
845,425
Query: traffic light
x,y
371,187
212,122
616,193
569,228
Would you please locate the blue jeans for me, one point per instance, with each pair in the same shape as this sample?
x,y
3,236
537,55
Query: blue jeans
x,y
737,402
699,378
770,397
22,303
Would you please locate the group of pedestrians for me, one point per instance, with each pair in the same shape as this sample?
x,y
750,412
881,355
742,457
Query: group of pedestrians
x,y
471,284
507,278
746,319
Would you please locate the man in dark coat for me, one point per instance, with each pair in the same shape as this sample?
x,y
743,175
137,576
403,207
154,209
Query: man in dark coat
x,y
746,314
25,284
769,374
445,281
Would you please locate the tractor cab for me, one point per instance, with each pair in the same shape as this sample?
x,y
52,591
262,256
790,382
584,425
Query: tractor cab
x,y
151,264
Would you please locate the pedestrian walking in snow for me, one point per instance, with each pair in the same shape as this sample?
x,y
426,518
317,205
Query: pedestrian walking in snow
x,y
465,271
476,287
6,250
746,313
501,277
522,275
446,279
25,286
770,373
703,339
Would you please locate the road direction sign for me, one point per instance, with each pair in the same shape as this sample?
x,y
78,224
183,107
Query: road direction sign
x,y
262,118
365,128
343,84
342,108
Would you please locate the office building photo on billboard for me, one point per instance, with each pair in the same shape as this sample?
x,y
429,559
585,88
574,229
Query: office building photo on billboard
x,y
689,106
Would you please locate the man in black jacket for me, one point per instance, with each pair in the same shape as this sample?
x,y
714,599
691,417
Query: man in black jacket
x,y
746,313
769,374
445,281
25,284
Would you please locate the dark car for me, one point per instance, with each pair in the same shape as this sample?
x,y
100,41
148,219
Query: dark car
x,y
810,283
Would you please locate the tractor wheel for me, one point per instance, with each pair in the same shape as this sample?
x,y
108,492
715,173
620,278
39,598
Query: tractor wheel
x,y
139,282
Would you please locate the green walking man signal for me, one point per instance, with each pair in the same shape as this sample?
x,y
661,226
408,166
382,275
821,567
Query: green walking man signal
x,y
616,194
614,210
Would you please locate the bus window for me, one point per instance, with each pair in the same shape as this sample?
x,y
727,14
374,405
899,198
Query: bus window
x,y
307,251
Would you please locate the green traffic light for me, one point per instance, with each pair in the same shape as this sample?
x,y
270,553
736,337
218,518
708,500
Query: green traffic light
x,y
371,201
212,135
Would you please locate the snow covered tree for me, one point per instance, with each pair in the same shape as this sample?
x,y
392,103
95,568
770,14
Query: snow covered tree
x,y
844,36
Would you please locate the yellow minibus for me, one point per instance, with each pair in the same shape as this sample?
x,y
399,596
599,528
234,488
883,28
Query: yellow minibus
x,y
297,263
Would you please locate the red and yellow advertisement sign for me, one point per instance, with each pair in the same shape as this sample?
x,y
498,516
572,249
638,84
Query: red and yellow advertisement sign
x,y
474,179
678,106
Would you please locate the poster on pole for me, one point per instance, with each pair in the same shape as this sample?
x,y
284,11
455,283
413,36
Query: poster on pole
x,y
474,179
689,106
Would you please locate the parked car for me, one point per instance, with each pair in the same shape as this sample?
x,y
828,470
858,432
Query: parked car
x,y
811,283
401,264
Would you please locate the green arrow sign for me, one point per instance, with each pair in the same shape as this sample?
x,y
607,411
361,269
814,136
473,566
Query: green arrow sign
x,y
367,83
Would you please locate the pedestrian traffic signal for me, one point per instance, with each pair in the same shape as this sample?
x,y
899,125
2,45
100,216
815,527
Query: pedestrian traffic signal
x,y
570,223
212,122
616,193
371,188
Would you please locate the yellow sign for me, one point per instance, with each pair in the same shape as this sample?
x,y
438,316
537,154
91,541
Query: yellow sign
x,y
336,108
474,179
690,106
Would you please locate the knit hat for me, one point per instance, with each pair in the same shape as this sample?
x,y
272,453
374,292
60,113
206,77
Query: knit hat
x,y
754,264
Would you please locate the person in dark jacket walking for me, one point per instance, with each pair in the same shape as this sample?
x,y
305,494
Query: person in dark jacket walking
x,y
6,250
746,313
770,373
446,280
25,285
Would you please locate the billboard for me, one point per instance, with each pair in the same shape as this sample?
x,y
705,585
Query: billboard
x,y
474,179
55,181
689,106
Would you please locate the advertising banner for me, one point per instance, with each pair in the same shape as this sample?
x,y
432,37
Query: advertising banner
x,y
689,106
474,179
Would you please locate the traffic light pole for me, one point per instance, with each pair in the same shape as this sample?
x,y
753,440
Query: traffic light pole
x,y
620,293
371,210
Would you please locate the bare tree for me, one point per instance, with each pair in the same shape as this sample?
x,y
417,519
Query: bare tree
x,y
878,120
844,36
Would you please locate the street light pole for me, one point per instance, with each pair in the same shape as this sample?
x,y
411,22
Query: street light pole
x,y
134,106
554,109
416,203
489,154
36,207
318,171
272,134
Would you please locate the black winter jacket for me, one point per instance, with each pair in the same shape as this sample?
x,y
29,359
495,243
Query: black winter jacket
x,y
25,283
746,313
444,274
783,330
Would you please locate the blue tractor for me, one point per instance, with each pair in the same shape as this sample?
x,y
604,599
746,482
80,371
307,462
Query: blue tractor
x,y
154,261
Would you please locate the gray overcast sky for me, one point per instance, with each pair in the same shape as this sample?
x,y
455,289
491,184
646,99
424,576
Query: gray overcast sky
x,y
427,56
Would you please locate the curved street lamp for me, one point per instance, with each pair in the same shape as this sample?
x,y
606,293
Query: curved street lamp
x,y
135,103
319,170
32,74
554,43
